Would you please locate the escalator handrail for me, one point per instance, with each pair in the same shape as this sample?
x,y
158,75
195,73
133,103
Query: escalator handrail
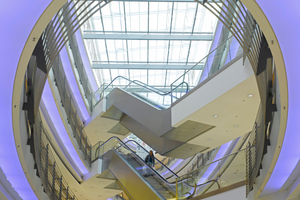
x,y
150,87
154,157
123,144
166,181
195,187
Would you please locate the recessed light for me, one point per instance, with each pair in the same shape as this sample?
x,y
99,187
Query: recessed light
x,y
234,173
209,139
215,116
236,126
250,95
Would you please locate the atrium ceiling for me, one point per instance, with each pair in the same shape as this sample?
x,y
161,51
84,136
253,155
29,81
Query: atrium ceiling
x,y
151,41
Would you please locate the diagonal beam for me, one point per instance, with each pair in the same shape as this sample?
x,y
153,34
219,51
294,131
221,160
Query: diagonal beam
x,y
147,66
194,37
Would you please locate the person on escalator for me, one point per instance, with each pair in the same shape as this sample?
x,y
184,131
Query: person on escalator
x,y
150,161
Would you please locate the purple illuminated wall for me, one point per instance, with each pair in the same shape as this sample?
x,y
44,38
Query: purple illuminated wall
x,y
51,107
285,20
17,19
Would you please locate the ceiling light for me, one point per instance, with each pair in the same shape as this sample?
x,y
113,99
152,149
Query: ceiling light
x,y
215,116
250,95
209,139
236,126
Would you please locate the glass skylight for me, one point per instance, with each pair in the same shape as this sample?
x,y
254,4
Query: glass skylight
x,y
153,42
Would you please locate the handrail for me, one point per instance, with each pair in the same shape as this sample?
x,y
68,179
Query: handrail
x,y
219,159
191,195
154,157
151,88
195,187
123,144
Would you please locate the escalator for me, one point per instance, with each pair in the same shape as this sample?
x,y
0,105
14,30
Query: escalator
x,y
134,176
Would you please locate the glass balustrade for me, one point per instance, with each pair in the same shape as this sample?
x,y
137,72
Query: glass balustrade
x,y
224,172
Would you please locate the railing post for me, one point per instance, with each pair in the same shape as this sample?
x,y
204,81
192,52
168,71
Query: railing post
x,y
53,181
86,146
67,193
90,155
176,185
80,139
46,165
60,188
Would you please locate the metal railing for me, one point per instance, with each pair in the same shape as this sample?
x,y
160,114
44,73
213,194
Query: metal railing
x,y
254,153
102,147
69,106
83,77
54,184
239,21
202,159
103,91
65,23
215,175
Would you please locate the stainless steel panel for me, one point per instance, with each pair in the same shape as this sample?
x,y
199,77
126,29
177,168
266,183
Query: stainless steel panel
x,y
187,131
131,181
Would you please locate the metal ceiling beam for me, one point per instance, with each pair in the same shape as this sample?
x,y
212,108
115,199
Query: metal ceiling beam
x,y
147,66
188,1
194,37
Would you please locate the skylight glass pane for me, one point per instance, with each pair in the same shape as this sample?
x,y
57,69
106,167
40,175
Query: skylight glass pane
x,y
158,50
102,76
136,16
205,20
172,75
141,75
157,77
117,50
137,50
199,49
101,51
96,22
178,51
183,17
160,16
113,16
